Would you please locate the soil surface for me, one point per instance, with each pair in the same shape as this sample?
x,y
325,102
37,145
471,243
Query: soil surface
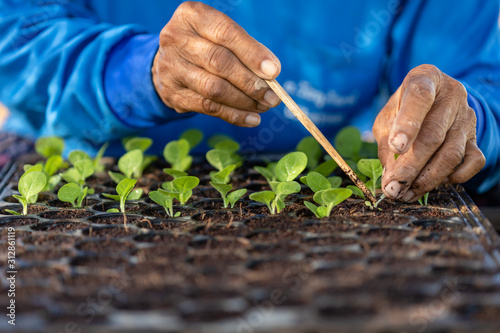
x,y
212,263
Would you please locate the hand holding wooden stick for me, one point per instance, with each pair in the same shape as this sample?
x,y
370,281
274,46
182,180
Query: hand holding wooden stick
x,y
316,133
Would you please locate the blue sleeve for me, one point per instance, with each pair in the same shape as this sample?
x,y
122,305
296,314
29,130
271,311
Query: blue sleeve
x,y
64,72
461,38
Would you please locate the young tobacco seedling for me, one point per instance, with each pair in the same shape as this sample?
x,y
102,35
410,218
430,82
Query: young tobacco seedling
x,y
130,165
327,194
73,194
267,172
309,146
177,154
348,143
50,168
142,144
423,201
125,192
220,181
180,188
287,169
81,170
49,146
30,184
371,168
98,166
224,154
327,199
193,137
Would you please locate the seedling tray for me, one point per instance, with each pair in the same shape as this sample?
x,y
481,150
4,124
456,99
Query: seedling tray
x,y
406,268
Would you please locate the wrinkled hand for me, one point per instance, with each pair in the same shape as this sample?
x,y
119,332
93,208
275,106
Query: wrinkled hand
x,y
430,124
208,64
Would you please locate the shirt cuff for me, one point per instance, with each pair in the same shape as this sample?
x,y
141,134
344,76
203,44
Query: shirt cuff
x,y
129,87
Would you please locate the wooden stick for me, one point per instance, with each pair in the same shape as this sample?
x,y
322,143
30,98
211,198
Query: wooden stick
x,y
316,133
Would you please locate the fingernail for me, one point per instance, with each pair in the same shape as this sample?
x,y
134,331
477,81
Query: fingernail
x,y
400,142
269,68
252,120
393,189
262,107
408,196
271,98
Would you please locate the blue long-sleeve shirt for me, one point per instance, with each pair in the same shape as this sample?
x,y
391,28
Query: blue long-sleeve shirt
x,y
81,69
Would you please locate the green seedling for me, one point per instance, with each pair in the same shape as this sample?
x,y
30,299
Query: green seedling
x,y
130,166
183,186
220,181
373,206
177,154
423,201
166,200
267,172
309,146
327,199
327,194
30,184
175,173
49,146
180,188
334,181
327,167
73,194
224,154
371,168
81,170
356,191
348,143
53,164
214,140
125,192
265,197
287,169
141,144
193,137
98,165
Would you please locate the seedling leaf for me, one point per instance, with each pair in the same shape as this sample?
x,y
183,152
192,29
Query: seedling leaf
x,y
132,143
130,162
356,191
193,137
335,181
174,173
234,196
78,155
223,177
290,166
32,183
214,140
309,146
49,146
317,182
228,145
326,168
348,142
176,153
69,193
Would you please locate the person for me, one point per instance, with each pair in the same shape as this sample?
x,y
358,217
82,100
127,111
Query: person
x,y
93,71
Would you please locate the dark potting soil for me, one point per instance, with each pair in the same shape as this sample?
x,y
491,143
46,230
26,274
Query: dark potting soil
x,y
60,226
66,214
358,262
32,209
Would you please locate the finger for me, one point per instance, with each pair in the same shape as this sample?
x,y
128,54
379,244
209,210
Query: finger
x,y
381,129
221,62
473,162
220,29
449,156
218,89
408,166
187,100
418,96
